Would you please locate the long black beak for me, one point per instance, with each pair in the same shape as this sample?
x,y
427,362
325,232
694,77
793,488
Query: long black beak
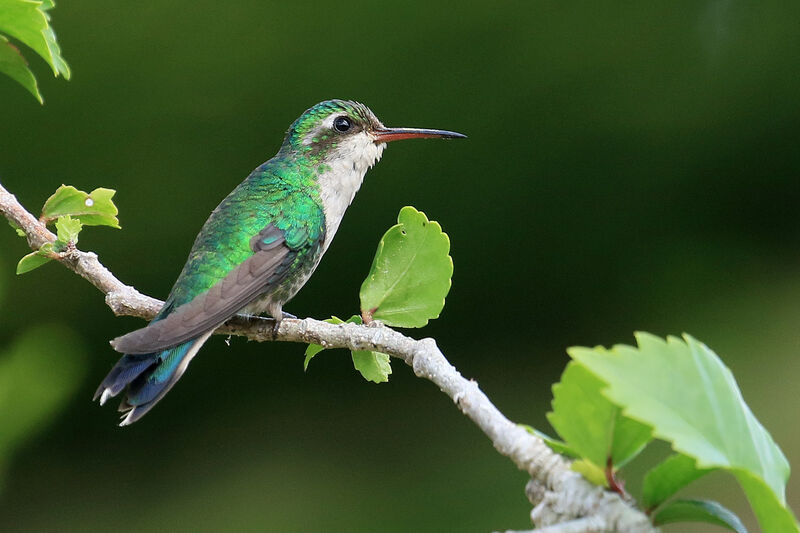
x,y
385,135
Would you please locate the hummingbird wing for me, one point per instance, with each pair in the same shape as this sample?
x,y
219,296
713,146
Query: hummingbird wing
x,y
258,275
258,242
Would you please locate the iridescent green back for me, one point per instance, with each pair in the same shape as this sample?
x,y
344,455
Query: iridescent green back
x,y
281,192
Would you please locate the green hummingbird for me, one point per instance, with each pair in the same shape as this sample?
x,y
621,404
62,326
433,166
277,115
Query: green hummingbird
x,y
258,247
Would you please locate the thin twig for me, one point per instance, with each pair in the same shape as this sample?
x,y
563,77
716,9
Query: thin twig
x,y
563,500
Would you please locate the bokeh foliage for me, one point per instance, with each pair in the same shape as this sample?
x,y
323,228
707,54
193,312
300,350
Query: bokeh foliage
x,y
28,22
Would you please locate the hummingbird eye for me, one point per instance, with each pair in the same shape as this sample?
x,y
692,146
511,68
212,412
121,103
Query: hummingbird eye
x,y
341,124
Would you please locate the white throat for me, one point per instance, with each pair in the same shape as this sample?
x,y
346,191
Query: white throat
x,y
340,180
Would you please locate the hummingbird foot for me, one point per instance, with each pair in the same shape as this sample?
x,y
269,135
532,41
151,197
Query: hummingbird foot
x,y
277,316
248,316
277,322
275,310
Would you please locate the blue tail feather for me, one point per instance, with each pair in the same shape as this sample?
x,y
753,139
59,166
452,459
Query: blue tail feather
x,y
148,377
125,371
148,385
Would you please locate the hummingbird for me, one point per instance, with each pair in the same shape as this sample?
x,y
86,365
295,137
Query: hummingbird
x,y
257,248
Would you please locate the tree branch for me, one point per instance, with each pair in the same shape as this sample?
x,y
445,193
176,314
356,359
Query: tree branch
x,y
580,525
563,501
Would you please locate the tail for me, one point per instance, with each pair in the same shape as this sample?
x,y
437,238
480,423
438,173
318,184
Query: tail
x,y
148,378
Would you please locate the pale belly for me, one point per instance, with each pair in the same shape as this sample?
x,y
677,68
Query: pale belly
x,y
271,302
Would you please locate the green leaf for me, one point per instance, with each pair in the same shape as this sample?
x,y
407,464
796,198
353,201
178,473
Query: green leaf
x,y
36,259
92,209
38,374
410,275
16,228
699,511
311,351
67,229
772,513
14,65
374,366
28,22
554,444
668,477
590,471
590,424
690,398
31,261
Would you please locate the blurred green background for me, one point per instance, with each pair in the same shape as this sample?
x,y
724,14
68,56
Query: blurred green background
x,y
630,166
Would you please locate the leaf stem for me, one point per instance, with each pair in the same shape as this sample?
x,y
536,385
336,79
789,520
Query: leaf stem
x,y
614,484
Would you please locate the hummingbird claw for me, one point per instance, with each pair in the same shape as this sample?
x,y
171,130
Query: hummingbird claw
x,y
248,316
276,325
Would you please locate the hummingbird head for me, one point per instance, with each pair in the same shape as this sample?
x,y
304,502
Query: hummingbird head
x,y
341,140
343,132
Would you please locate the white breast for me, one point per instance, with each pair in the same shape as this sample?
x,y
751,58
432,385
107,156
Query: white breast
x,y
342,178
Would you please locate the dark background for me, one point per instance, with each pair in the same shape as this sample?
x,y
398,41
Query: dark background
x,y
630,166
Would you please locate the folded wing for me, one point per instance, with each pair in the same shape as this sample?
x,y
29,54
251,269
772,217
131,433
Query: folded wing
x,y
266,268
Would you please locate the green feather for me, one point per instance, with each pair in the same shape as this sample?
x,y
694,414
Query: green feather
x,y
278,192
